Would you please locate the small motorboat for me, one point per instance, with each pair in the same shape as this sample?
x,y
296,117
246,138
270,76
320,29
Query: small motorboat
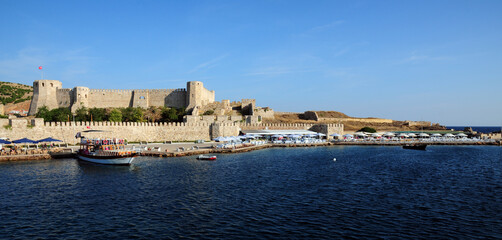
x,y
207,158
415,146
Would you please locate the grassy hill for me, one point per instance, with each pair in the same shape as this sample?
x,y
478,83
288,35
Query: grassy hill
x,y
15,96
14,93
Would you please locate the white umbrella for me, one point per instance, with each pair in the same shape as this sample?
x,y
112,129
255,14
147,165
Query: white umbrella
x,y
219,139
294,136
449,135
361,134
335,135
461,135
389,134
375,135
402,135
436,135
321,134
412,135
276,136
348,135
423,135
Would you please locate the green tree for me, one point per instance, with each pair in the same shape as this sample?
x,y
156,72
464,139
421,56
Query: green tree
x,y
169,115
60,114
81,114
131,114
44,113
98,114
367,129
115,115
153,114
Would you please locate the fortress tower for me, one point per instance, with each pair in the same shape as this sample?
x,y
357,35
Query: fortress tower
x,y
197,95
44,94
81,98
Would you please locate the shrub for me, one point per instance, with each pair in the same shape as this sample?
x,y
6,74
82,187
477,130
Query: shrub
x,y
208,112
367,129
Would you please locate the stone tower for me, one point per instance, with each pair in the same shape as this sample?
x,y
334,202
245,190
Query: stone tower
x,y
194,94
81,98
44,94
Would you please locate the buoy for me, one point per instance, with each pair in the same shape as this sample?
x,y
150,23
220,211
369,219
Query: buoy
x,y
334,159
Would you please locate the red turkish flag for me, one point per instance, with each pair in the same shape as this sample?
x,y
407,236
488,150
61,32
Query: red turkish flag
x,y
40,67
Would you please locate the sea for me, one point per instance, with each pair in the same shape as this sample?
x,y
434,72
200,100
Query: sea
x,y
354,192
482,129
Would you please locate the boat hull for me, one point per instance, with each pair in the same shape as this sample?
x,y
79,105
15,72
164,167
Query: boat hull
x,y
206,158
416,147
107,161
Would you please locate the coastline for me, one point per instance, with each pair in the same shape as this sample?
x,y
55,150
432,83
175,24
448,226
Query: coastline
x,y
210,150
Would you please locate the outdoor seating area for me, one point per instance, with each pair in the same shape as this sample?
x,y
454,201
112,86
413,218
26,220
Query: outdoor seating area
x,y
390,137
27,146
257,139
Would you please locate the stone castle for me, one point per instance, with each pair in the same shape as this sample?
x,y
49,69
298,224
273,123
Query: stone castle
x,y
50,93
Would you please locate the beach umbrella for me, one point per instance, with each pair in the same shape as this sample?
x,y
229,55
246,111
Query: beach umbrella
x,y
402,135
412,135
461,135
389,134
219,139
276,136
2,141
335,135
49,139
231,139
24,140
449,135
436,135
360,134
348,135
375,135
321,134
423,135
311,135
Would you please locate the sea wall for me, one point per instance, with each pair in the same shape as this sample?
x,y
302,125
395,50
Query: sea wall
x,y
134,132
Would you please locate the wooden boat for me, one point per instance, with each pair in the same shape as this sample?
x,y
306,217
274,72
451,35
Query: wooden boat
x,y
415,146
106,151
208,158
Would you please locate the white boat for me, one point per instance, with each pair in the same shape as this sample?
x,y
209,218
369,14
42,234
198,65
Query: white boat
x,y
106,151
203,157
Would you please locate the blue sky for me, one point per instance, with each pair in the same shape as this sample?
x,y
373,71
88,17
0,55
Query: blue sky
x,y
439,61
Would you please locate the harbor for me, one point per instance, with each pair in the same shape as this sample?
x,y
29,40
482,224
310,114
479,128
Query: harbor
x,y
168,150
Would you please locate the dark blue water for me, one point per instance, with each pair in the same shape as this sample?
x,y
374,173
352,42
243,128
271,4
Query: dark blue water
x,y
482,129
368,192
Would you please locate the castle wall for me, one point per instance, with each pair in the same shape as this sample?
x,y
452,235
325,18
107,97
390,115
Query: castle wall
x,y
51,94
64,97
103,98
168,97
135,132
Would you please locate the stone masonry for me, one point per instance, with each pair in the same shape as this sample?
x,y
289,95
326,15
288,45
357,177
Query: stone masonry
x,y
51,94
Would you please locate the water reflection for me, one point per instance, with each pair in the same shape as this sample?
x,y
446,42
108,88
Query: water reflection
x,y
94,168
